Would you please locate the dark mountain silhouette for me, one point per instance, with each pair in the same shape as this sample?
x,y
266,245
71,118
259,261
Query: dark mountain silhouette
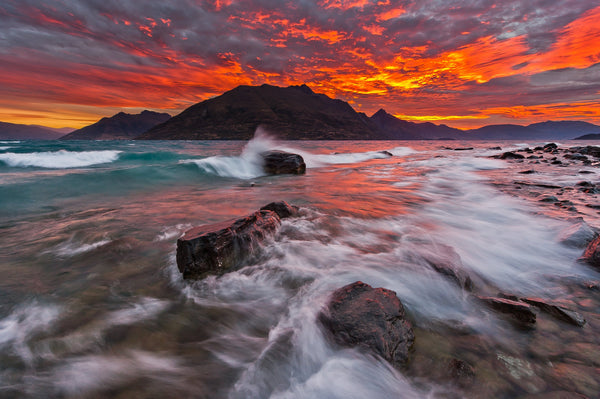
x,y
588,137
293,113
398,129
549,130
121,126
13,131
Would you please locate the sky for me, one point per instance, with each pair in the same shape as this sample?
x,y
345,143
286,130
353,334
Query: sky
x,y
463,63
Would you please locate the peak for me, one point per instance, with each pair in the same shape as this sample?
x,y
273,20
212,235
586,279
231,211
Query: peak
x,y
381,112
303,88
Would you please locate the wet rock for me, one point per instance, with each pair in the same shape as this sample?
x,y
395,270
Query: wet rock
x,y
281,208
556,162
587,150
558,312
591,256
549,147
510,155
495,148
520,311
576,157
527,172
222,247
282,162
463,149
389,154
548,198
578,235
359,315
447,262
585,172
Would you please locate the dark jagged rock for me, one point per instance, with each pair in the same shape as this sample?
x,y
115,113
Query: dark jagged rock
x,y
281,162
591,150
591,256
281,208
527,172
463,149
510,155
559,312
222,247
389,154
371,318
520,311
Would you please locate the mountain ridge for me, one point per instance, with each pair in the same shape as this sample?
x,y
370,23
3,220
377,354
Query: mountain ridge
x,y
121,126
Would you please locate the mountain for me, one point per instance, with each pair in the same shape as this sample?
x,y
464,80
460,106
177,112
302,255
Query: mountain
x,y
398,129
566,129
61,130
293,113
121,126
13,131
588,137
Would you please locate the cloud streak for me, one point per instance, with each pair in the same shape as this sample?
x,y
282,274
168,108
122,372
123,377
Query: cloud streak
x,y
416,58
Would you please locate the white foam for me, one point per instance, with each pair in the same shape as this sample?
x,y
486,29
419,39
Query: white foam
x,y
2,148
87,374
22,323
59,159
71,248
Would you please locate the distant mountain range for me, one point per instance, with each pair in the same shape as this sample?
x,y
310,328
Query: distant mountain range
x,y
121,126
290,113
13,131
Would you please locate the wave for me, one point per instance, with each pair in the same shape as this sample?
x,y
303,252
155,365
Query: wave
x,y
71,248
59,159
248,164
3,148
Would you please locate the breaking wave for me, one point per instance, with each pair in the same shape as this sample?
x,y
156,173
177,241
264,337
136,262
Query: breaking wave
x,y
59,159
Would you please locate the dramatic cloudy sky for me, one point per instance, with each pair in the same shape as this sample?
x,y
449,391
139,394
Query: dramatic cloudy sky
x,y
465,63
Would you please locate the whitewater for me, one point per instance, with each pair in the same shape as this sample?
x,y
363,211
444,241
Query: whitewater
x,y
92,304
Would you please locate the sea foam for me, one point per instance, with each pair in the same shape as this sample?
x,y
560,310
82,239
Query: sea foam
x,y
59,159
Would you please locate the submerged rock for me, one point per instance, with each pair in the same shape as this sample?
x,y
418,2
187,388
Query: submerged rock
x,y
282,162
558,312
371,318
447,262
222,247
578,235
520,311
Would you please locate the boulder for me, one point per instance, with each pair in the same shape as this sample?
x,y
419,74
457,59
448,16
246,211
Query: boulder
x,y
591,255
520,311
281,162
374,319
222,247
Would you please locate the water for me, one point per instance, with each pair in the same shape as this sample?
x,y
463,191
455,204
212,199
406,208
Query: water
x,y
92,304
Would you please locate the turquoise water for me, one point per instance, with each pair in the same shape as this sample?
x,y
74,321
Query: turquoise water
x,y
92,304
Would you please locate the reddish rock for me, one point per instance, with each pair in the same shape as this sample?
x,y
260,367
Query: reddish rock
x,y
221,247
558,312
520,311
591,256
370,318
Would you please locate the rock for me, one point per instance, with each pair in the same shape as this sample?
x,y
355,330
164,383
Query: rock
x,y
548,198
578,235
463,149
510,155
495,148
549,147
222,247
559,312
281,162
370,318
389,154
522,312
591,256
448,263
281,208
576,157
527,172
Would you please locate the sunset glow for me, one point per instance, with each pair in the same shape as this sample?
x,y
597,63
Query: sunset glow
x,y
466,64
